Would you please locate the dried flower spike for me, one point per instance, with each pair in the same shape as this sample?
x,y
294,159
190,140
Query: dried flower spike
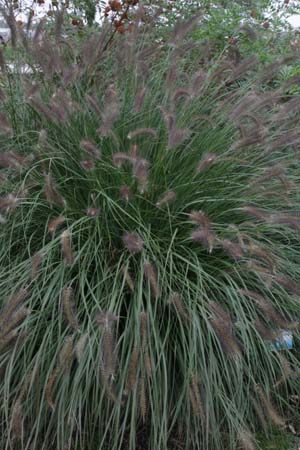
x,y
205,236
142,131
111,110
9,202
285,369
90,148
12,304
17,419
268,309
65,356
292,221
176,300
223,327
120,158
69,308
143,399
8,339
128,278
87,165
234,250
49,388
181,92
177,136
93,212
55,223
140,171
269,408
133,242
36,263
266,257
265,333
133,152
132,369
200,218
288,283
139,99
125,193
206,162
108,353
144,330
52,196
226,338
106,319
255,212
166,198
67,247
182,28
148,363
80,346
246,440
151,276
195,397
16,318
5,126
13,160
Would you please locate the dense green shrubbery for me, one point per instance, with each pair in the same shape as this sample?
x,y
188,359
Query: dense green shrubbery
x,y
149,247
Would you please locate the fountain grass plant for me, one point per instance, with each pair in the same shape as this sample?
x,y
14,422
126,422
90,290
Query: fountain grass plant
x,y
149,246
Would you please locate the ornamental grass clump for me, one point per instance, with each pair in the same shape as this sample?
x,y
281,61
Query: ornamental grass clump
x,y
149,247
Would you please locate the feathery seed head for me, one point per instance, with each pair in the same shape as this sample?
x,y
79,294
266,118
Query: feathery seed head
x,y
151,277
176,300
69,308
205,236
125,193
233,249
246,440
93,212
133,242
200,218
80,346
268,309
17,419
5,126
133,152
9,202
106,319
55,223
87,164
206,162
50,386
66,245
269,408
132,369
139,99
90,148
52,196
142,131
166,198
195,397
65,356
143,399
140,171
119,159
128,278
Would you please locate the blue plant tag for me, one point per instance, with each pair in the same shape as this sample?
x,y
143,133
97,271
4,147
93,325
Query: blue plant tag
x,y
284,342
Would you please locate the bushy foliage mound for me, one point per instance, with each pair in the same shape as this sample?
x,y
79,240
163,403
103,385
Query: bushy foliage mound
x,y
149,246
